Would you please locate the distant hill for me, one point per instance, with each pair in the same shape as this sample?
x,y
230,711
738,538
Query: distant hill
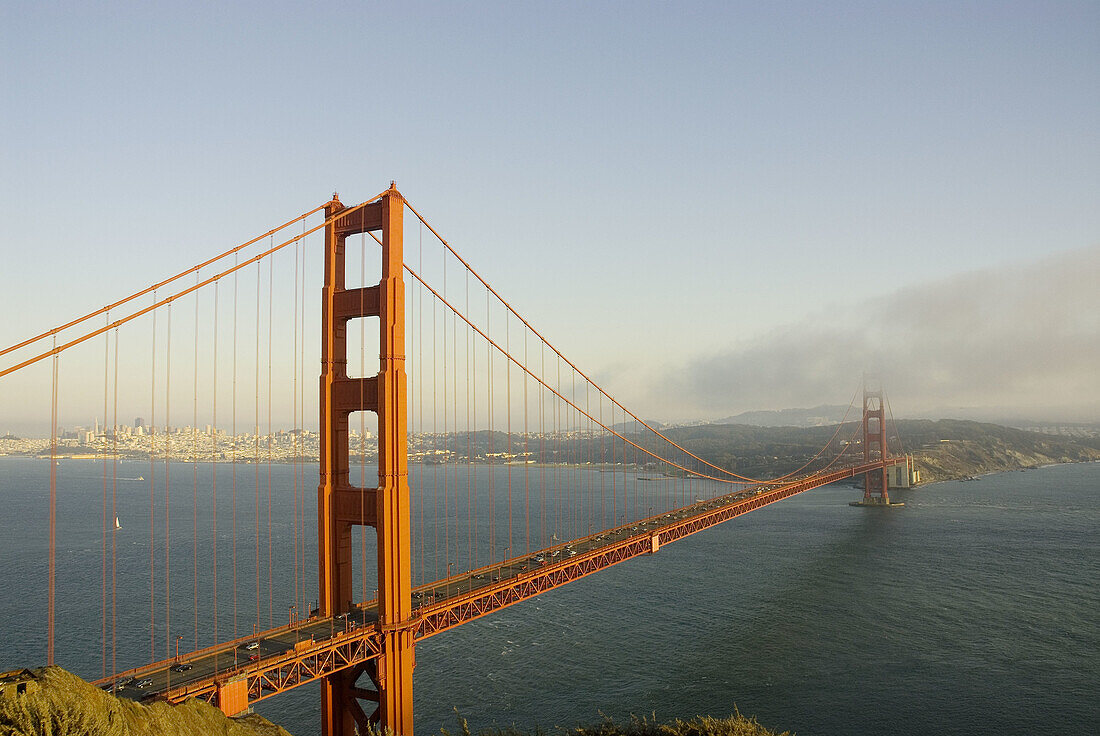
x,y
953,448
943,449
819,416
631,425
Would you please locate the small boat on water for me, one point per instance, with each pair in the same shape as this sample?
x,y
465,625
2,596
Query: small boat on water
x,y
117,524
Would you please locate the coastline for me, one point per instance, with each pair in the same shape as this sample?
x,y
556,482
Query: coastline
x,y
931,469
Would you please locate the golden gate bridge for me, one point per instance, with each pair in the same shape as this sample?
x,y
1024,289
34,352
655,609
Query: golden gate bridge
x,y
503,470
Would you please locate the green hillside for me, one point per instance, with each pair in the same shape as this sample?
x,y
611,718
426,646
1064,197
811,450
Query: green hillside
x,y
57,703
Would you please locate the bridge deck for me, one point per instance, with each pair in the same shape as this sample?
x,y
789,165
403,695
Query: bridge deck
x,y
288,656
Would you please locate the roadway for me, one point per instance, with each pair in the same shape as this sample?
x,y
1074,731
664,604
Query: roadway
x,y
281,647
227,659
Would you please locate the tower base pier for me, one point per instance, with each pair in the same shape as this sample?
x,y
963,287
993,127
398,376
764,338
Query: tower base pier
x,y
877,502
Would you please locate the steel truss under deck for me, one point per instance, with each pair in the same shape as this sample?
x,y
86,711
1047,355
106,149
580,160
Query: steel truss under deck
x,y
355,649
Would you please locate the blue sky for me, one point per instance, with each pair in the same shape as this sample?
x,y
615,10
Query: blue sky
x,y
708,178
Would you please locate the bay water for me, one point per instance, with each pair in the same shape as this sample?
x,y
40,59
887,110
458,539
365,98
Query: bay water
x,y
974,609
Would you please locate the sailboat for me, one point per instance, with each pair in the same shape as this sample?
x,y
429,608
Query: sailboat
x,y
117,524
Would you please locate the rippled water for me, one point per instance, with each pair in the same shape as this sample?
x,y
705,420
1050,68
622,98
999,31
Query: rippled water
x,y
974,609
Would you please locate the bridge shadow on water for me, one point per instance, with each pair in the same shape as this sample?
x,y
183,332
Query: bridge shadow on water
x,y
731,615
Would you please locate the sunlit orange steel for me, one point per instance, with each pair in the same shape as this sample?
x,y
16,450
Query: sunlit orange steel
x,y
325,647
339,504
58,349
159,284
343,640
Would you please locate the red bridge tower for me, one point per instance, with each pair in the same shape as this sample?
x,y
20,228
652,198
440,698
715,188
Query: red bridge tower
x,y
875,484
386,508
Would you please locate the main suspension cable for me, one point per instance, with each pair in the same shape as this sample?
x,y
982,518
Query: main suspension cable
x,y
155,287
509,307
167,300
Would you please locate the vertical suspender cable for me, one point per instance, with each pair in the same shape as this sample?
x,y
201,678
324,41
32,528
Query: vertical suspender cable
x,y
103,456
270,319
574,461
603,459
256,441
53,511
454,393
622,470
542,450
468,366
637,512
489,445
114,513
555,490
420,402
617,518
167,481
214,462
590,448
508,420
454,417
302,404
195,472
233,446
446,442
435,440
412,360
526,454
455,454
294,401
569,438
560,492
152,487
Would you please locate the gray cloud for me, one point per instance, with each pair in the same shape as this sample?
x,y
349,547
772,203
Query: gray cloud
x,y
1024,339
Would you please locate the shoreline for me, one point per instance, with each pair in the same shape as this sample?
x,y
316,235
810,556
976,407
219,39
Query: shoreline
x,y
986,474
960,476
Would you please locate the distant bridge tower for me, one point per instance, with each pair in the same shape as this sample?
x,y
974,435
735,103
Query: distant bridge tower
x,y
875,484
386,508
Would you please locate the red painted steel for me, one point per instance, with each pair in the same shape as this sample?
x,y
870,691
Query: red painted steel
x,y
377,638
386,508
357,649
875,484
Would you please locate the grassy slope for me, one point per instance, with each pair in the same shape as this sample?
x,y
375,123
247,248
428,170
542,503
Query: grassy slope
x,y
68,706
